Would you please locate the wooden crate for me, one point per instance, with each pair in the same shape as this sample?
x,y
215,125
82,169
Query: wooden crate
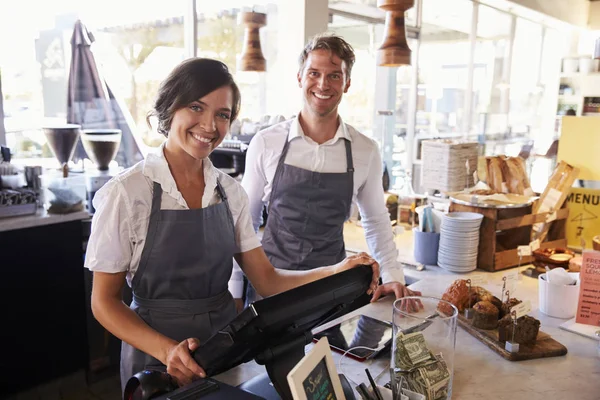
x,y
504,229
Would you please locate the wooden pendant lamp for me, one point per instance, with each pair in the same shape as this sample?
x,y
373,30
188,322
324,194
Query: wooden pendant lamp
x,y
394,50
252,58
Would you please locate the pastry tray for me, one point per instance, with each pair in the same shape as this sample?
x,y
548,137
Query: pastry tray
x,y
543,347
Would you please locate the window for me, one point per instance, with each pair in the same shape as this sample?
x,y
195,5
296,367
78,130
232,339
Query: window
x,y
443,65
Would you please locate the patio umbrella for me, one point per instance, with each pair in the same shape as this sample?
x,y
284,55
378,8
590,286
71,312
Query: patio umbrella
x,y
92,104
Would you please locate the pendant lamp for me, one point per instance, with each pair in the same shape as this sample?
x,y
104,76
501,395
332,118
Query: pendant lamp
x,y
394,50
252,58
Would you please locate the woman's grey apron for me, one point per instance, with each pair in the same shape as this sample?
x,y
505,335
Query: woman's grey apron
x,y
180,287
306,216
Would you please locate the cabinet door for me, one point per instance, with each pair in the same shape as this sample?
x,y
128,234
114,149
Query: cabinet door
x,y
43,298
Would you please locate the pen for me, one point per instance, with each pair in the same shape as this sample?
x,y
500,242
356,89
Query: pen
x,y
363,392
375,389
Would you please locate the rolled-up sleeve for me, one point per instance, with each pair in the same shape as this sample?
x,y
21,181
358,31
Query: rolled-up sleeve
x,y
376,222
110,246
246,237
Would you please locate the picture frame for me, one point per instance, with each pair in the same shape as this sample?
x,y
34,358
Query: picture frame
x,y
315,377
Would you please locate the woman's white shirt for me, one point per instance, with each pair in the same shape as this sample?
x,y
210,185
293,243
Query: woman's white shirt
x,y
123,205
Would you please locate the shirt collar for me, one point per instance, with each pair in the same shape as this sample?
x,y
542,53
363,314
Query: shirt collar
x,y
341,133
157,169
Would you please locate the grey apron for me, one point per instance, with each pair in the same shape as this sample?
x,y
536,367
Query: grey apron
x,y
307,211
180,287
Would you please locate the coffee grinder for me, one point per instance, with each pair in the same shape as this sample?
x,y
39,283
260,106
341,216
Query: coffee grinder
x,y
101,146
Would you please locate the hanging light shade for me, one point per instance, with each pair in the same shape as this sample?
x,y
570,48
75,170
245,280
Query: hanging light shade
x,y
597,49
252,58
394,50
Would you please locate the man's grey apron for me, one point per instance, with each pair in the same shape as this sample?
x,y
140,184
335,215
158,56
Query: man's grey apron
x,y
307,211
180,287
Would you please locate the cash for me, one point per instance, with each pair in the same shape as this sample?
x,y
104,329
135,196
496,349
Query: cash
x,y
423,372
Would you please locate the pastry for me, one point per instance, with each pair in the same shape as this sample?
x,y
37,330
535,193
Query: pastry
x,y
505,307
575,264
457,294
526,331
485,315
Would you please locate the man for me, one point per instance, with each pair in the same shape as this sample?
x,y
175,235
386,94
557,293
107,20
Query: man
x,y
310,169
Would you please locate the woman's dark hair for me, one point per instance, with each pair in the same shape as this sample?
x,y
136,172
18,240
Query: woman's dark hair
x,y
189,81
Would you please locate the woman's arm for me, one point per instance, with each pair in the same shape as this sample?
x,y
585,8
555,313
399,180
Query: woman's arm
x,y
268,280
124,323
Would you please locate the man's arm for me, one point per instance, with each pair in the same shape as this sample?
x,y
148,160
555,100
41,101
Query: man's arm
x,y
376,222
254,180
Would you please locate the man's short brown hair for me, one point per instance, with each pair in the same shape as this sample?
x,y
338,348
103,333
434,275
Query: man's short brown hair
x,y
335,44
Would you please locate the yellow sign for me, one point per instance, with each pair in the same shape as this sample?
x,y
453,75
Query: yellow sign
x,y
578,145
584,216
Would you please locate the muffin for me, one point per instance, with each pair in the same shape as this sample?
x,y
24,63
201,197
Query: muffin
x,y
526,331
485,315
505,308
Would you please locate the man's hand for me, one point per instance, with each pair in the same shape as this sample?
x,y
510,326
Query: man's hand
x,y
357,260
396,288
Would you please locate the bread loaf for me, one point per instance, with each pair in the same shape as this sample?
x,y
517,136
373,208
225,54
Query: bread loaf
x,y
494,175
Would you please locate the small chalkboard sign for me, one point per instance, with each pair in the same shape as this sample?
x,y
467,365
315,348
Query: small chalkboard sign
x,y
315,376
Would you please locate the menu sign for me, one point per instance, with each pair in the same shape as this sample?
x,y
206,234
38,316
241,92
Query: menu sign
x,y
588,307
318,385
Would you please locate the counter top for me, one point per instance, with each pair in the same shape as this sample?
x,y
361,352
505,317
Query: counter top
x,y
479,372
39,219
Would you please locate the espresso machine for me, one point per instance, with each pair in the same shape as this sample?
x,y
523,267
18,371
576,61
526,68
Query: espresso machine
x,y
101,146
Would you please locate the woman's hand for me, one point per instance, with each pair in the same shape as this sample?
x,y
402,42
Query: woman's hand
x,y
180,364
357,260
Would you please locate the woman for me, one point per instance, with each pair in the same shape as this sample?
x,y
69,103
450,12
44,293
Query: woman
x,y
170,227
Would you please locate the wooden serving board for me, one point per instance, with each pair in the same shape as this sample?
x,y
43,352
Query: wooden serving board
x,y
543,347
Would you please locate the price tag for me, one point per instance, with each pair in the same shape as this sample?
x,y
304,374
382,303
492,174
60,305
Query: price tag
x,y
512,279
504,187
522,309
475,178
524,251
535,245
478,280
551,217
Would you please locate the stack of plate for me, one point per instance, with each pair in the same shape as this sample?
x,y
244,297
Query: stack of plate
x,y
459,241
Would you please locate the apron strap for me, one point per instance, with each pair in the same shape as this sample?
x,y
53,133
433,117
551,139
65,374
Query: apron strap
x,y
279,169
152,229
350,171
223,196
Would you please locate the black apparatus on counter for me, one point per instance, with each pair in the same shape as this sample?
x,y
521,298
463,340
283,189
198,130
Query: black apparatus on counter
x,y
274,332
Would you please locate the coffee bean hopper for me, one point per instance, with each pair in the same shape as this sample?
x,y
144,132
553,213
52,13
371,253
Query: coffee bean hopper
x,y
101,146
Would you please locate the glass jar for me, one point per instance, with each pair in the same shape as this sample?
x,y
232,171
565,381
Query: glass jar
x,y
424,337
